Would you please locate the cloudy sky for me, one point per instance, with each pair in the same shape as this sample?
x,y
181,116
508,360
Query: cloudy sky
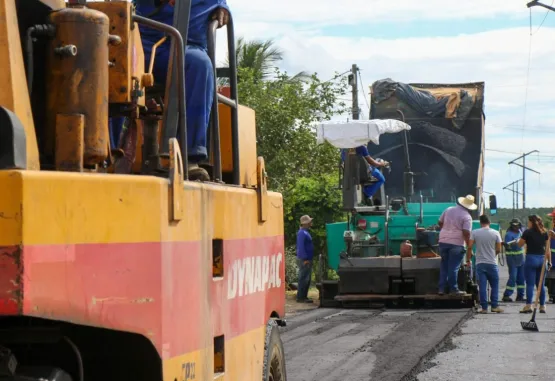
x,y
434,41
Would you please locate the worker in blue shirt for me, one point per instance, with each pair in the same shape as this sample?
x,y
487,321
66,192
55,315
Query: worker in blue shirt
x,y
199,73
515,262
371,189
305,255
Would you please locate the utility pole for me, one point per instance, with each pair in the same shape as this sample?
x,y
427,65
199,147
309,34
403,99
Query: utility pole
x,y
353,82
515,193
524,168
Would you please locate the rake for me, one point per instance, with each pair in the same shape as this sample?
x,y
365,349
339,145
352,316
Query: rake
x,y
532,325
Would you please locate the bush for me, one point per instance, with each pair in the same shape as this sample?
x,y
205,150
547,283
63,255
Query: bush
x,y
291,269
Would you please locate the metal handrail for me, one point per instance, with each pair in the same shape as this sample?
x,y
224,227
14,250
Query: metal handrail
x,y
232,102
180,53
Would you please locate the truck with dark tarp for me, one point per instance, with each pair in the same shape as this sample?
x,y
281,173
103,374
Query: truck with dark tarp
x,y
445,143
439,159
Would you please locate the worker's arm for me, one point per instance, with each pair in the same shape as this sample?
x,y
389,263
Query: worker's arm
x,y
548,249
363,151
498,243
469,252
222,15
441,219
301,252
466,229
522,240
373,162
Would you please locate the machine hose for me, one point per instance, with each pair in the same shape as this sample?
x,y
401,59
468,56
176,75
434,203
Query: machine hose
x,y
40,30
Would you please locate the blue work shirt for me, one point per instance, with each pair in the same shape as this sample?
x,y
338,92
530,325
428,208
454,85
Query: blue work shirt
x,y
510,236
197,34
305,247
361,151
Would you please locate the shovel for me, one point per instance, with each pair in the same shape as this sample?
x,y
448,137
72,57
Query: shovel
x,y
531,325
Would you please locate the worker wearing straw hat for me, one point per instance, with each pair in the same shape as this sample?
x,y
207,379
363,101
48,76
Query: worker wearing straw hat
x,y
515,262
455,224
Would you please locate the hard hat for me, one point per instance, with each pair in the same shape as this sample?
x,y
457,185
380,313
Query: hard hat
x,y
516,222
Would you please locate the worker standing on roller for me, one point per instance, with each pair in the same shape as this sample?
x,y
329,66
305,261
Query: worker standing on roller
x,y
515,262
455,224
199,73
371,189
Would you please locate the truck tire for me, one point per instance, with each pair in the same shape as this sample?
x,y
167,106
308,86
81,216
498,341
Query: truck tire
x,y
274,356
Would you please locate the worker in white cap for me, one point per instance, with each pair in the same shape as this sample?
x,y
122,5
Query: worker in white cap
x,y
305,256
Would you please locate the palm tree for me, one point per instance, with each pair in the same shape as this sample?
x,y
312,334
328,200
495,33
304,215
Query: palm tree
x,y
261,57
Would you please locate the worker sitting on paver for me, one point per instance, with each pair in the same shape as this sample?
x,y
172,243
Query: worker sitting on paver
x,y
305,256
371,189
488,246
455,224
515,262
199,73
535,238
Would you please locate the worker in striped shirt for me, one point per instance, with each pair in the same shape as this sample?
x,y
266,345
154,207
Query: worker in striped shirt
x,y
515,262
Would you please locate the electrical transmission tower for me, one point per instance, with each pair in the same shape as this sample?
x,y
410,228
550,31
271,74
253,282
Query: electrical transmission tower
x,y
524,169
516,193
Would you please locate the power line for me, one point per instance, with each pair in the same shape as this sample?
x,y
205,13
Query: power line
x,y
337,76
527,82
363,91
517,153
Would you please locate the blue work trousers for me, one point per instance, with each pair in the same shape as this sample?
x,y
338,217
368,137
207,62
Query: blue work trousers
x,y
488,273
515,263
451,260
199,88
532,271
370,190
305,274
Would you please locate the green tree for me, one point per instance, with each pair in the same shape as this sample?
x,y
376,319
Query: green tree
x,y
286,111
287,107
319,197
260,56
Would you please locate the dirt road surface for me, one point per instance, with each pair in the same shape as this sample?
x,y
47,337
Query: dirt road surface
x,y
360,345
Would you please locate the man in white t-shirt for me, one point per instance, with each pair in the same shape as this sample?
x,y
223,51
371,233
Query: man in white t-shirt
x,y
488,245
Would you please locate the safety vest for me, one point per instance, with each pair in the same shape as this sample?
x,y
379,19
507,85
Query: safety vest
x,y
517,252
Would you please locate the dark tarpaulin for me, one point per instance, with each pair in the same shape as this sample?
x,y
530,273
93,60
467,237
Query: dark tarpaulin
x,y
422,101
441,138
450,156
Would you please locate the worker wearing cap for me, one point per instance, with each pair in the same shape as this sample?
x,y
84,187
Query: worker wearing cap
x,y
515,262
199,73
455,224
305,256
371,189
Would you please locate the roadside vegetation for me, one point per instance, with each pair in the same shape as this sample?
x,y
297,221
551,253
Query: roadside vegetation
x,y
286,105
